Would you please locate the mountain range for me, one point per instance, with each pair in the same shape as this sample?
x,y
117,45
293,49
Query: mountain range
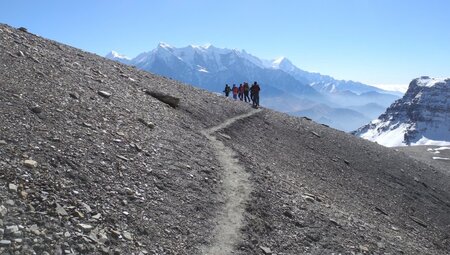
x,y
421,117
285,87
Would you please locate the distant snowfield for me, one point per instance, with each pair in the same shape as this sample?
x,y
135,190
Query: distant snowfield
x,y
439,158
391,138
437,150
395,137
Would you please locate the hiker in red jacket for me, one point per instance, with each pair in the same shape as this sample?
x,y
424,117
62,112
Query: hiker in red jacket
x,y
235,91
255,94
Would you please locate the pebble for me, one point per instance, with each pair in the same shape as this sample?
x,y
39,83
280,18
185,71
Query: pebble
x,y
314,133
381,245
147,123
127,236
104,94
364,248
225,136
36,109
18,240
60,210
265,250
86,207
3,211
3,142
11,229
5,243
74,95
30,163
35,231
23,194
122,157
12,187
114,233
85,226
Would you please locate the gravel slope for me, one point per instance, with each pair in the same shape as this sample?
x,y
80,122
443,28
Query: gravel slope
x,y
91,164
432,155
320,191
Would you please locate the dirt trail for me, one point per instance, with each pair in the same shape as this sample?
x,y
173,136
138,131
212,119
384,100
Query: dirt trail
x,y
236,188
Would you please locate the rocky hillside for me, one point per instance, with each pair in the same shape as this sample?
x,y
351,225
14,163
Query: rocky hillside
x,y
95,161
421,117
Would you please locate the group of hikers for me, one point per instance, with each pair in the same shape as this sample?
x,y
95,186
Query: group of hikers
x,y
242,92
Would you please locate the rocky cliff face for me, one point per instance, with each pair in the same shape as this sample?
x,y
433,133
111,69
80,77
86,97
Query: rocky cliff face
x,y
422,116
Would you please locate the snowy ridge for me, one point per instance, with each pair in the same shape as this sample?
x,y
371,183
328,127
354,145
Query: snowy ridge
x,y
421,117
426,81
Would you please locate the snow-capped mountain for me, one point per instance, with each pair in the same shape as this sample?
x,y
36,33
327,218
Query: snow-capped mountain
x,y
421,117
285,87
118,57
210,68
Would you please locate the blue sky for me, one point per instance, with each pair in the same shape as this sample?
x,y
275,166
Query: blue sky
x,y
385,42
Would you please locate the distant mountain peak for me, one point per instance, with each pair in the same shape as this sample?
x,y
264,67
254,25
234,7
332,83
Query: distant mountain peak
x,y
282,63
164,45
276,62
115,55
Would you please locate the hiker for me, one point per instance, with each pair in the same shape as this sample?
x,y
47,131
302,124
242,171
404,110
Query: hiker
x,y
241,92
251,92
227,90
255,93
235,91
246,90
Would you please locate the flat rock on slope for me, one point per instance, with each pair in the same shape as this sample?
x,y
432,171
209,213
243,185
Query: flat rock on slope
x,y
90,164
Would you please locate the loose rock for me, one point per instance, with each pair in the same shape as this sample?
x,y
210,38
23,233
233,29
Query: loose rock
x,y
104,94
30,163
5,243
3,211
85,227
127,236
266,250
36,109
12,187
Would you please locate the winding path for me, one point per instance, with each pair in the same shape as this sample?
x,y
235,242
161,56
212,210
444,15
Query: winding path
x,y
237,188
